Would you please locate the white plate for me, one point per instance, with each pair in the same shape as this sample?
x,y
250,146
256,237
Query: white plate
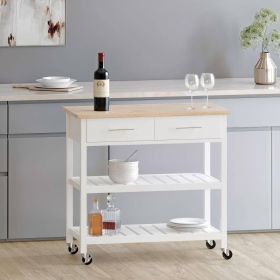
x,y
186,226
69,87
55,84
187,221
189,229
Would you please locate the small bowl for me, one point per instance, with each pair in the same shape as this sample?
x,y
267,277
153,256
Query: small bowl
x,y
122,172
56,79
56,82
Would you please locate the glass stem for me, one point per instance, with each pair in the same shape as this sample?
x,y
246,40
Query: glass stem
x,y
207,98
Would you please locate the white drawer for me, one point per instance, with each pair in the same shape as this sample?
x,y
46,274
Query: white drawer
x,y
177,128
120,130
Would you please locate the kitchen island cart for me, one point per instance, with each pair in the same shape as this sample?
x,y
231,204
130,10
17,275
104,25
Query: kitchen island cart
x,y
140,125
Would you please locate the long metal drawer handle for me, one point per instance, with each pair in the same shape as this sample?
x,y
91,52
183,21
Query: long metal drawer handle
x,y
189,127
121,129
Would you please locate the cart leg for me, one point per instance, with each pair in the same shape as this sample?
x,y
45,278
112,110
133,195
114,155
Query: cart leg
x,y
69,188
224,194
207,193
83,194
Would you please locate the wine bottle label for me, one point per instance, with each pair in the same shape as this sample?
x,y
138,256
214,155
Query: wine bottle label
x,y
101,88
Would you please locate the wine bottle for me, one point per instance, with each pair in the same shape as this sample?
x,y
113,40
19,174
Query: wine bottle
x,y
101,86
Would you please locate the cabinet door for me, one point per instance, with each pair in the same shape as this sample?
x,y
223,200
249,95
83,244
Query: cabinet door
x,y
276,178
3,207
3,118
249,180
3,153
37,187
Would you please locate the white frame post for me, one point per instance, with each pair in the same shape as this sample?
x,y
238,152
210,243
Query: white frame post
x,y
207,171
83,193
223,225
69,187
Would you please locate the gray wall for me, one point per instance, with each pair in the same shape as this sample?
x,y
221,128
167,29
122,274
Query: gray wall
x,y
143,39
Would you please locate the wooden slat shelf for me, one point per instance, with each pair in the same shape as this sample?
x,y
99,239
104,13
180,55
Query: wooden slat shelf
x,y
151,233
151,183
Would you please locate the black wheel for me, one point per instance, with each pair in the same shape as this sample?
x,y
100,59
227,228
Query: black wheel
x,y
87,260
210,244
227,255
73,249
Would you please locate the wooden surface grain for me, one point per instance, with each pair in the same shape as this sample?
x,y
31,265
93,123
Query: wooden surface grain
x,y
144,110
256,257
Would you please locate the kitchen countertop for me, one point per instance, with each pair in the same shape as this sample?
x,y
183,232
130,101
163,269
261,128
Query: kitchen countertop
x,y
224,88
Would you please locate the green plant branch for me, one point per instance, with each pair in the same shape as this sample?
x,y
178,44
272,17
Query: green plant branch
x,y
257,33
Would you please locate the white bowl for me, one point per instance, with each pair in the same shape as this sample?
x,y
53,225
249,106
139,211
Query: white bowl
x,y
56,82
122,172
56,79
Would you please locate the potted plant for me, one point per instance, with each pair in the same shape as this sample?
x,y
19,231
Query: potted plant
x,y
258,34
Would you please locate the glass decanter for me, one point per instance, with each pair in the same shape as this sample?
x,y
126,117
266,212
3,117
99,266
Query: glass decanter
x,y
111,218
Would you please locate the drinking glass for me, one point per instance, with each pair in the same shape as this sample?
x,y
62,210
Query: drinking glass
x,y
207,81
192,84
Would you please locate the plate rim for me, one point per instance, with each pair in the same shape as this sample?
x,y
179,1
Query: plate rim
x,y
200,221
72,81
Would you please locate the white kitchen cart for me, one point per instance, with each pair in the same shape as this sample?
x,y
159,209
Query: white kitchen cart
x,y
140,125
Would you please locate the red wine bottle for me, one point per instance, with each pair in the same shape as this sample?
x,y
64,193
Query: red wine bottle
x,y
101,86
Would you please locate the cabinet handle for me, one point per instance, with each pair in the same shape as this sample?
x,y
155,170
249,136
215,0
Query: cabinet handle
x,y
189,127
121,129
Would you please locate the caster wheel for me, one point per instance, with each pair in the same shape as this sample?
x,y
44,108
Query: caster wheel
x,y
73,249
210,244
87,260
227,255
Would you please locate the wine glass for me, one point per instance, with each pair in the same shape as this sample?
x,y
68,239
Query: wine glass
x,y
207,81
191,83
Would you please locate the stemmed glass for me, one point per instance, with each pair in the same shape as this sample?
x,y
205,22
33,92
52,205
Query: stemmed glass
x,y
207,81
191,83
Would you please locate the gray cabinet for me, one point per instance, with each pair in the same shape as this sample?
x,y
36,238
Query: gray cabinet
x,y
3,207
276,178
3,153
37,169
42,117
37,187
3,118
249,180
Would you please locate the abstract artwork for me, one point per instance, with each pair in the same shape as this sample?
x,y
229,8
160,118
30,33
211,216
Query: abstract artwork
x,y
32,23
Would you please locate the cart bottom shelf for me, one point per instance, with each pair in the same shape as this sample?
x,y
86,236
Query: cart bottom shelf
x,y
150,233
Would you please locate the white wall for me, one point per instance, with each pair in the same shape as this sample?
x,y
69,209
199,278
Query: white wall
x,y
143,39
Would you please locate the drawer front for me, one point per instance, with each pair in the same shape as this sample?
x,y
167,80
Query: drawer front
x,y
3,154
38,117
181,128
3,118
120,130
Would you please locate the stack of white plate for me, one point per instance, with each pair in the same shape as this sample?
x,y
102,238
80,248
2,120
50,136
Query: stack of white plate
x,y
187,223
55,82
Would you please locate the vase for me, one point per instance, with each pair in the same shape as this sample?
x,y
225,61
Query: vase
x,y
265,70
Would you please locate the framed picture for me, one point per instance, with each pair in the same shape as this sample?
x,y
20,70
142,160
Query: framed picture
x,y
32,23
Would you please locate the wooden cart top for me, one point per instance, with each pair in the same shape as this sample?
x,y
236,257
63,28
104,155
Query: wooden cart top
x,y
145,111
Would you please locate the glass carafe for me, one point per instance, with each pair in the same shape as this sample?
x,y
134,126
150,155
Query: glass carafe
x,y
111,217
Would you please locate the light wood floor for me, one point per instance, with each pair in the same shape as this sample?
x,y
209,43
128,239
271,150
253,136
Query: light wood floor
x,y
256,256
